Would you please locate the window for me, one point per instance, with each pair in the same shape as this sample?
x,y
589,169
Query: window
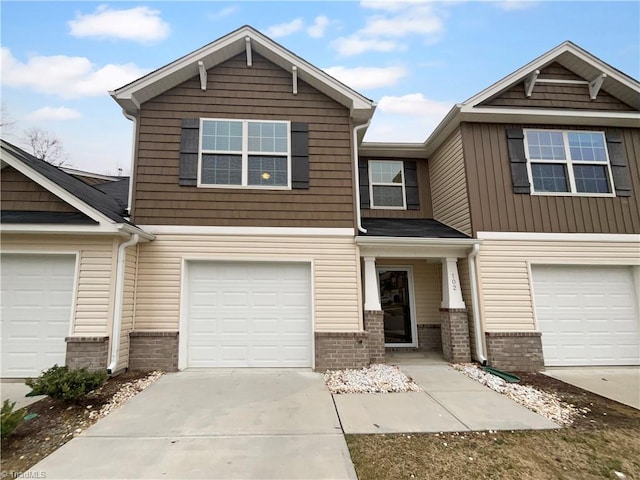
x,y
570,162
244,153
386,183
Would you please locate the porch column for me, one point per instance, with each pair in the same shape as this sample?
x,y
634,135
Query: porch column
x,y
451,291
453,315
371,290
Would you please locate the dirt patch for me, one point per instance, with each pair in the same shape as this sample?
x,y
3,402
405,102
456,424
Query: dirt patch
x,y
56,423
600,443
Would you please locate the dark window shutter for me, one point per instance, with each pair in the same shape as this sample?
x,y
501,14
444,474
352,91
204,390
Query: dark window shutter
x,y
189,142
518,161
619,167
363,173
299,155
411,185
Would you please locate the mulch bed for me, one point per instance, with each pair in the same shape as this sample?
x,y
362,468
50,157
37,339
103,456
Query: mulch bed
x,y
56,424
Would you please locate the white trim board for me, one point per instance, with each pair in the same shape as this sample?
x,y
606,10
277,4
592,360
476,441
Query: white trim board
x,y
214,230
561,237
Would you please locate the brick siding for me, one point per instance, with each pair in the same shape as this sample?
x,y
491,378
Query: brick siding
x,y
337,350
429,338
87,352
374,324
515,351
153,351
455,335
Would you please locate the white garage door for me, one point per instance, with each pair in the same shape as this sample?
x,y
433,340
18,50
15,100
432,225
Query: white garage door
x,y
253,314
587,315
37,295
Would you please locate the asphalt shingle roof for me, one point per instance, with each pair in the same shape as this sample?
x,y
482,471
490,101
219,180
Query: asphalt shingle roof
x,y
408,227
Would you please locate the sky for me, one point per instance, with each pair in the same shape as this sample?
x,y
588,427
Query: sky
x,y
416,59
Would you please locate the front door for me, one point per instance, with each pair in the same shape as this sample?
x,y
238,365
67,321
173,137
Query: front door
x,y
396,298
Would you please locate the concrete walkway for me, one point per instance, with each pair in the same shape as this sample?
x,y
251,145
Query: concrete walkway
x,y
621,384
451,402
214,425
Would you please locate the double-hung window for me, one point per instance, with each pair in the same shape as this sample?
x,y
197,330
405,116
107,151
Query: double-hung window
x,y
387,185
568,162
245,153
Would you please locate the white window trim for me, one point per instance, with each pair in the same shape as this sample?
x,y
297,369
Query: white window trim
x,y
386,184
568,163
245,155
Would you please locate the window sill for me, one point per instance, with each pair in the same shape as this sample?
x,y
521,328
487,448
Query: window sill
x,y
387,208
244,187
571,194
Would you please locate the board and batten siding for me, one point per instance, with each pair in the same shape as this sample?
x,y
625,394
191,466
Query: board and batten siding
x,y
20,193
505,285
427,287
128,305
547,95
95,285
235,91
449,185
336,285
495,208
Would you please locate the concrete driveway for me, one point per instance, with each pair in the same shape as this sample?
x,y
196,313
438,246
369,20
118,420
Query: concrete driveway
x,y
621,384
15,391
214,424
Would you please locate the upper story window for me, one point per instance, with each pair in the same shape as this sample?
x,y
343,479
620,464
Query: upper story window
x,y
245,153
568,162
387,184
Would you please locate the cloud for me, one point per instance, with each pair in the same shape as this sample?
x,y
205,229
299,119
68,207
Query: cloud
x,y
67,77
356,44
407,118
285,29
367,77
511,5
225,12
140,24
385,30
319,26
54,113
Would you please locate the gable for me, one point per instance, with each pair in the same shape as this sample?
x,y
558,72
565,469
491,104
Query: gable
x,y
20,193
557,95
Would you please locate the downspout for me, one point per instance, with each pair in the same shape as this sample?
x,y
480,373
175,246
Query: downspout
x,y
133,157
117,314
477,326
357,173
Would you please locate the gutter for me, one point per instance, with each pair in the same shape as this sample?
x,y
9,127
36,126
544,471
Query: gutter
x,y
117,315
357,174
417,241
477,326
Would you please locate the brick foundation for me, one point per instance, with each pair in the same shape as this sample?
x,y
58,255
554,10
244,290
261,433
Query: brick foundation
x,y
153,351
337,350
87,352
374,325
455,335
429,338
515,351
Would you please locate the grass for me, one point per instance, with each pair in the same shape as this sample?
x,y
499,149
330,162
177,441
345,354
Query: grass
x,y
549,454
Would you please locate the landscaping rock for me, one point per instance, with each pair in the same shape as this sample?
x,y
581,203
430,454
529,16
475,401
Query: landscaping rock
x,y
377,378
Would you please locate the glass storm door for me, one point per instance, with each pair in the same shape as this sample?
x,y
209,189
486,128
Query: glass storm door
x,y
396,301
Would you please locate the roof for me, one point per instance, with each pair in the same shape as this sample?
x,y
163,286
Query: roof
x,y
132,95
118,190
573,58
91,196
408,227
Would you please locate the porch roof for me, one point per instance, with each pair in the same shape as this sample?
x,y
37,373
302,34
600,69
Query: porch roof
x,y
408,227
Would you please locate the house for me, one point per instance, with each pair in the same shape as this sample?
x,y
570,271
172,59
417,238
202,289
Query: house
x,y
261,231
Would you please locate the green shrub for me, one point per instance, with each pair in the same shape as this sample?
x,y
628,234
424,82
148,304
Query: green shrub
x,y
64,384
10,419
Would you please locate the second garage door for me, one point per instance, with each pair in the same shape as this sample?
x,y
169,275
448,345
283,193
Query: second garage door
x,y
249,314
587,315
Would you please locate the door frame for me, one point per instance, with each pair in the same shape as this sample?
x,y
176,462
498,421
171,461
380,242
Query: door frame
x,y
412,304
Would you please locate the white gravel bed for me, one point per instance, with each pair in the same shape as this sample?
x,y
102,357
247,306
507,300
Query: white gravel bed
x,y
546,404
377,378
126,392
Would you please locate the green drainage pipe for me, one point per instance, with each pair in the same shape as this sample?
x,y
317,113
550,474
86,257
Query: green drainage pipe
x,y
504,375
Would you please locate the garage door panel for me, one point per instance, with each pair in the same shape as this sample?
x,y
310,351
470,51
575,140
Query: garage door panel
x,y
37,296
587,315
253,314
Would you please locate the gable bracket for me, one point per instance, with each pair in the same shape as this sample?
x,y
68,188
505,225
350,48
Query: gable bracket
x,y
294,72
530,81
248,48
203,76
595,84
